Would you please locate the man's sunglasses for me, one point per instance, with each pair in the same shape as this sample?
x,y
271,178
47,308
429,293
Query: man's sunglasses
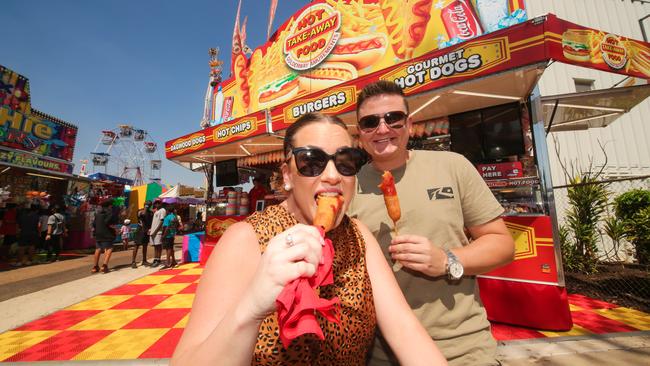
x,y
394,119
311,161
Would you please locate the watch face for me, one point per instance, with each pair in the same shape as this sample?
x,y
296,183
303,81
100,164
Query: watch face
x,y
456,270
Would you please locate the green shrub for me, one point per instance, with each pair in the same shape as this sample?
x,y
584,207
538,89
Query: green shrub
x,y
633,207
614,227
588,202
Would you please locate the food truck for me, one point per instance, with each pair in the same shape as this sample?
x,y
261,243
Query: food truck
x,y
469,70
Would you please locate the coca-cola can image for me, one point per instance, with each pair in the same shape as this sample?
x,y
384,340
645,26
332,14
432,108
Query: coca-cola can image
x,y
460,20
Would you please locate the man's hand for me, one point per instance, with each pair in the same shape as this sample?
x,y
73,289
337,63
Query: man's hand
x,y
419,254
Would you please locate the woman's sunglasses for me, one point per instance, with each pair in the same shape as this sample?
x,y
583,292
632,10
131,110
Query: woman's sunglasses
x,y
394,119
311,161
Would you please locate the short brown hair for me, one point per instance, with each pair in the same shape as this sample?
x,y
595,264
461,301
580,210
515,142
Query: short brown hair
x,y
306,120
381,87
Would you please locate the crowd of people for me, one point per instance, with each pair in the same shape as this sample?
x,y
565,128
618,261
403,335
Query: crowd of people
x,y
156,226
34,230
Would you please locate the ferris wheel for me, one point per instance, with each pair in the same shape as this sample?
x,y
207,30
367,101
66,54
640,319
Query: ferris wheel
x,y
128,152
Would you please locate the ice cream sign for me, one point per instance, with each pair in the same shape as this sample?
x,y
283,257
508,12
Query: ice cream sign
x,y
312,36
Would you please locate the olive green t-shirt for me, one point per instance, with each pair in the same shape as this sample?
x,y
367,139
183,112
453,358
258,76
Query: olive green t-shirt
x,y
440,193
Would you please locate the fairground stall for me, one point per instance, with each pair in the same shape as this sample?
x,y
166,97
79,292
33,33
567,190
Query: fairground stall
x,y
470,72
36,149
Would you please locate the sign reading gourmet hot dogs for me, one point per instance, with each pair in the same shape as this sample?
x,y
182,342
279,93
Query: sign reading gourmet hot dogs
x,y
460,62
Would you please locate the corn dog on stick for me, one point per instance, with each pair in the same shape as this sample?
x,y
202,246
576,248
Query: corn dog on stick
x,y
327,211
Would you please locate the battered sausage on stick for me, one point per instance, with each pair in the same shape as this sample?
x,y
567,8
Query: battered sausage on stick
x,y
387,186
390,197
327,211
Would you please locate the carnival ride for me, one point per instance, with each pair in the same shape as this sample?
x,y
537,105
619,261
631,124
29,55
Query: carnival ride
x,y
128,152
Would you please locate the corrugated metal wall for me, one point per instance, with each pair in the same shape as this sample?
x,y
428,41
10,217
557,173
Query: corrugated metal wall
x,y
625,140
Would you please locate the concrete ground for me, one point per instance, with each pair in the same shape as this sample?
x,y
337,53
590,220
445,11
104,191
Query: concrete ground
x,y
30,293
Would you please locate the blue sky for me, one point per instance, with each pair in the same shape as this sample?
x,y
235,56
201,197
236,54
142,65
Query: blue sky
x,y
98,64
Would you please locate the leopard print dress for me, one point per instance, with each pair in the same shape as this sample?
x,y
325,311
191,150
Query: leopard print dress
x,y
346,343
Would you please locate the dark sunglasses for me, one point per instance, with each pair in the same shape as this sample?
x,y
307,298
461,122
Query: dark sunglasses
x,y
394,119
311,161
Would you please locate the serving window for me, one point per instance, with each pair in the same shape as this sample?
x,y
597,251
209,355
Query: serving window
x,y
497,140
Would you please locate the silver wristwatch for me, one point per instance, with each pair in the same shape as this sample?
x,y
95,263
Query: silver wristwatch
x,y
454,268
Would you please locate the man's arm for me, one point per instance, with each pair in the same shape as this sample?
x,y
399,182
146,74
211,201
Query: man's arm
x,y
491,248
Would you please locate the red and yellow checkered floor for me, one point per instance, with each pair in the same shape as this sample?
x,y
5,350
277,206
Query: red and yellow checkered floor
x,y
145,319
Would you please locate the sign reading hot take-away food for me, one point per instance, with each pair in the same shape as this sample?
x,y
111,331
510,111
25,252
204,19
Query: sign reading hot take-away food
x,y
329,42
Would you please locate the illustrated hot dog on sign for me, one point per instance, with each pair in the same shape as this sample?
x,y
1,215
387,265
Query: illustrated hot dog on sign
x,y
363,40
406,22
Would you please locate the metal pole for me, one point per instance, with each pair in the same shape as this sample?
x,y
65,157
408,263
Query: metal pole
x,y
544,169
645,37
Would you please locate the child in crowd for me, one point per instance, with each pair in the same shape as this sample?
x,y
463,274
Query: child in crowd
x,y
126,232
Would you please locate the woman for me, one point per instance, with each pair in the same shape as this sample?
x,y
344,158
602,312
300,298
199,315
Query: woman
x,y
234,319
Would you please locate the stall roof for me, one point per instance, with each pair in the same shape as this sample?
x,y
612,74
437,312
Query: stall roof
x,y
511,61
590,109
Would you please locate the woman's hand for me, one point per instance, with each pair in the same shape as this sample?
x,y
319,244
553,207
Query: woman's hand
x,y
291,254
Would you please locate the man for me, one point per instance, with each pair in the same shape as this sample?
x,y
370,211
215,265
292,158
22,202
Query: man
x,y
170,227
9,229
256,193
145,217
440,195
155,232
56,230
27,235
104,235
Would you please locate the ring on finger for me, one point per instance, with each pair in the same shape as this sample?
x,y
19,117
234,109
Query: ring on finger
x,y
289,240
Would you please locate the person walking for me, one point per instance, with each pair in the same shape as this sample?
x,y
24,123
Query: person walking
x,y
56,230
27,235
104,235
170,227
145,216
156,232
9,229
44,215
440,193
